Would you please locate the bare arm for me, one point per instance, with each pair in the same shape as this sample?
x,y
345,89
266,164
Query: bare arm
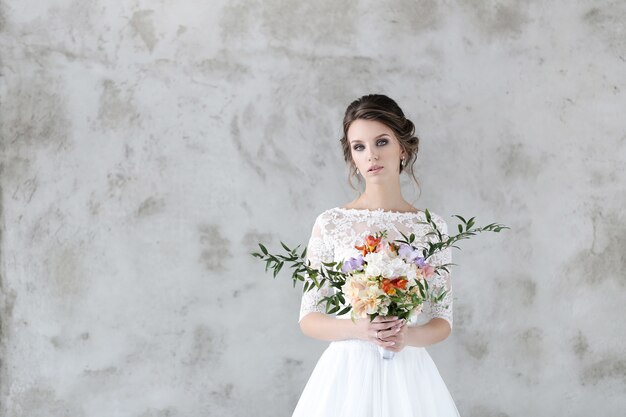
x,y
428,334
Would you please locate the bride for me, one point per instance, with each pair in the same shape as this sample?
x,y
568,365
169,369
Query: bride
x,y
351,378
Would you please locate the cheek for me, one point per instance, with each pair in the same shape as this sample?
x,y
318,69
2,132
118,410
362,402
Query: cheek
x,y
356,156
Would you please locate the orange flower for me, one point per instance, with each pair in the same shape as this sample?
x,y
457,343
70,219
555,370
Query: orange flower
x,y
370,245
401,283
372,242
389,286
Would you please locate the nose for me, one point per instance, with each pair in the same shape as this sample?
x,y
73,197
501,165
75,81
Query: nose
x,y
372,155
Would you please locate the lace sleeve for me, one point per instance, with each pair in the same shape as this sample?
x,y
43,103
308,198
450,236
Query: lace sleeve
x,y
443,308
318,251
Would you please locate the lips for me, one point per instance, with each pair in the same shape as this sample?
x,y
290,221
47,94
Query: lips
x,y
374,167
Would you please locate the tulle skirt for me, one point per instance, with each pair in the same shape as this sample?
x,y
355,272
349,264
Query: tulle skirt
x,y
352,380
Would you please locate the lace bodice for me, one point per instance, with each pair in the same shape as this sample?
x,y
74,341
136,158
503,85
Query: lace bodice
x,y
337,230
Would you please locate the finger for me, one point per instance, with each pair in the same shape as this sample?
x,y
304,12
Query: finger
x,y
401,326
387,324
389,334
381,326
383,319
386,334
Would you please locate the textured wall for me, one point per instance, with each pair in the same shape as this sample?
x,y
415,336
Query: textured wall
x,y
147,147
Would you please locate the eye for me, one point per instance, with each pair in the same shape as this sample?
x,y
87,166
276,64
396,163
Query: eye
x,y
356,147
384,141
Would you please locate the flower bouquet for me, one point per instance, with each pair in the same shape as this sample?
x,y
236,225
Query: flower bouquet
x,y
385,279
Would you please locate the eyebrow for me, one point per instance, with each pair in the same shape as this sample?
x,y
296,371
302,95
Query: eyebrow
x,y
381,135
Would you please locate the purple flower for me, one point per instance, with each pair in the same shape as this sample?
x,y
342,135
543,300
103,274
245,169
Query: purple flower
x,y
411,254
408,252
352,264
421,262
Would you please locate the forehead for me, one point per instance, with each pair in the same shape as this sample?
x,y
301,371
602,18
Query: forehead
x,y
364,130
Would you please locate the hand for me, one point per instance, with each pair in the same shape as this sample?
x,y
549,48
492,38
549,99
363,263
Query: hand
x,y
398,339
383,331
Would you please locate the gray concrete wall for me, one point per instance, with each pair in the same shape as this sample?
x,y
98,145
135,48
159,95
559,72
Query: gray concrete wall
x,y
147,146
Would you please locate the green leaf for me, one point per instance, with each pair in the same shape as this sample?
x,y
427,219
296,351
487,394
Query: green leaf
x,y
462,219
285,246
345,310
277,269
263,249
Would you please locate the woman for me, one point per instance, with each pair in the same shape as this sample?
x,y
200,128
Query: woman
x,y
351,378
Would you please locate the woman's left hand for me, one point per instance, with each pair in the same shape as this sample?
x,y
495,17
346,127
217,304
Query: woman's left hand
x,y
399,339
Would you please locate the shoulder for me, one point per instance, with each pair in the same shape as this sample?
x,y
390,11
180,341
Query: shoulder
x,y
324,218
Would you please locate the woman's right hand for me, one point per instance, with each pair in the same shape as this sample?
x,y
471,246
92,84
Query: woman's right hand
x,y
379,328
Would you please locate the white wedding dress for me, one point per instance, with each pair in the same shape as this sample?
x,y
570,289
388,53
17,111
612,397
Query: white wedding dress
x,y
351,379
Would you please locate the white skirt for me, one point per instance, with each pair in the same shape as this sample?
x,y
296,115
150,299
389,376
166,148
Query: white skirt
x,y
351,379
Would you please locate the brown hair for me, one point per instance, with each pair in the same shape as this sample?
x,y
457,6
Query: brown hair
x,y
382,109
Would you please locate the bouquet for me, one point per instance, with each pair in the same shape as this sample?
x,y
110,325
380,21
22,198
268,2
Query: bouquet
x,y
385,279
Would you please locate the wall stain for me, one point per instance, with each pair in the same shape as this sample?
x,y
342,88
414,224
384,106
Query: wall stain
x,y
500,18
608,24
100,373
141,22
476,345
150,206
531,343
463,316
215,250
408,17
286,375
63,264
486,411
3,19
580,345
116,108
41,401
605,258
165,412
116,184
275,128
321,23
224,67
605,369
235,134
206,347
25,191
250,240
37,116
520,287
223,395
518,163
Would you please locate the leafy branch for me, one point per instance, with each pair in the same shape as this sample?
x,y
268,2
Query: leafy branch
x,y
327,274
465,231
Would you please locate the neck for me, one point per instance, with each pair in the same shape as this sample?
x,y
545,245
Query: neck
x,y
387,196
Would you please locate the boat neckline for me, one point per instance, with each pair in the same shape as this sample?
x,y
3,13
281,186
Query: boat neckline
x,y
379,210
